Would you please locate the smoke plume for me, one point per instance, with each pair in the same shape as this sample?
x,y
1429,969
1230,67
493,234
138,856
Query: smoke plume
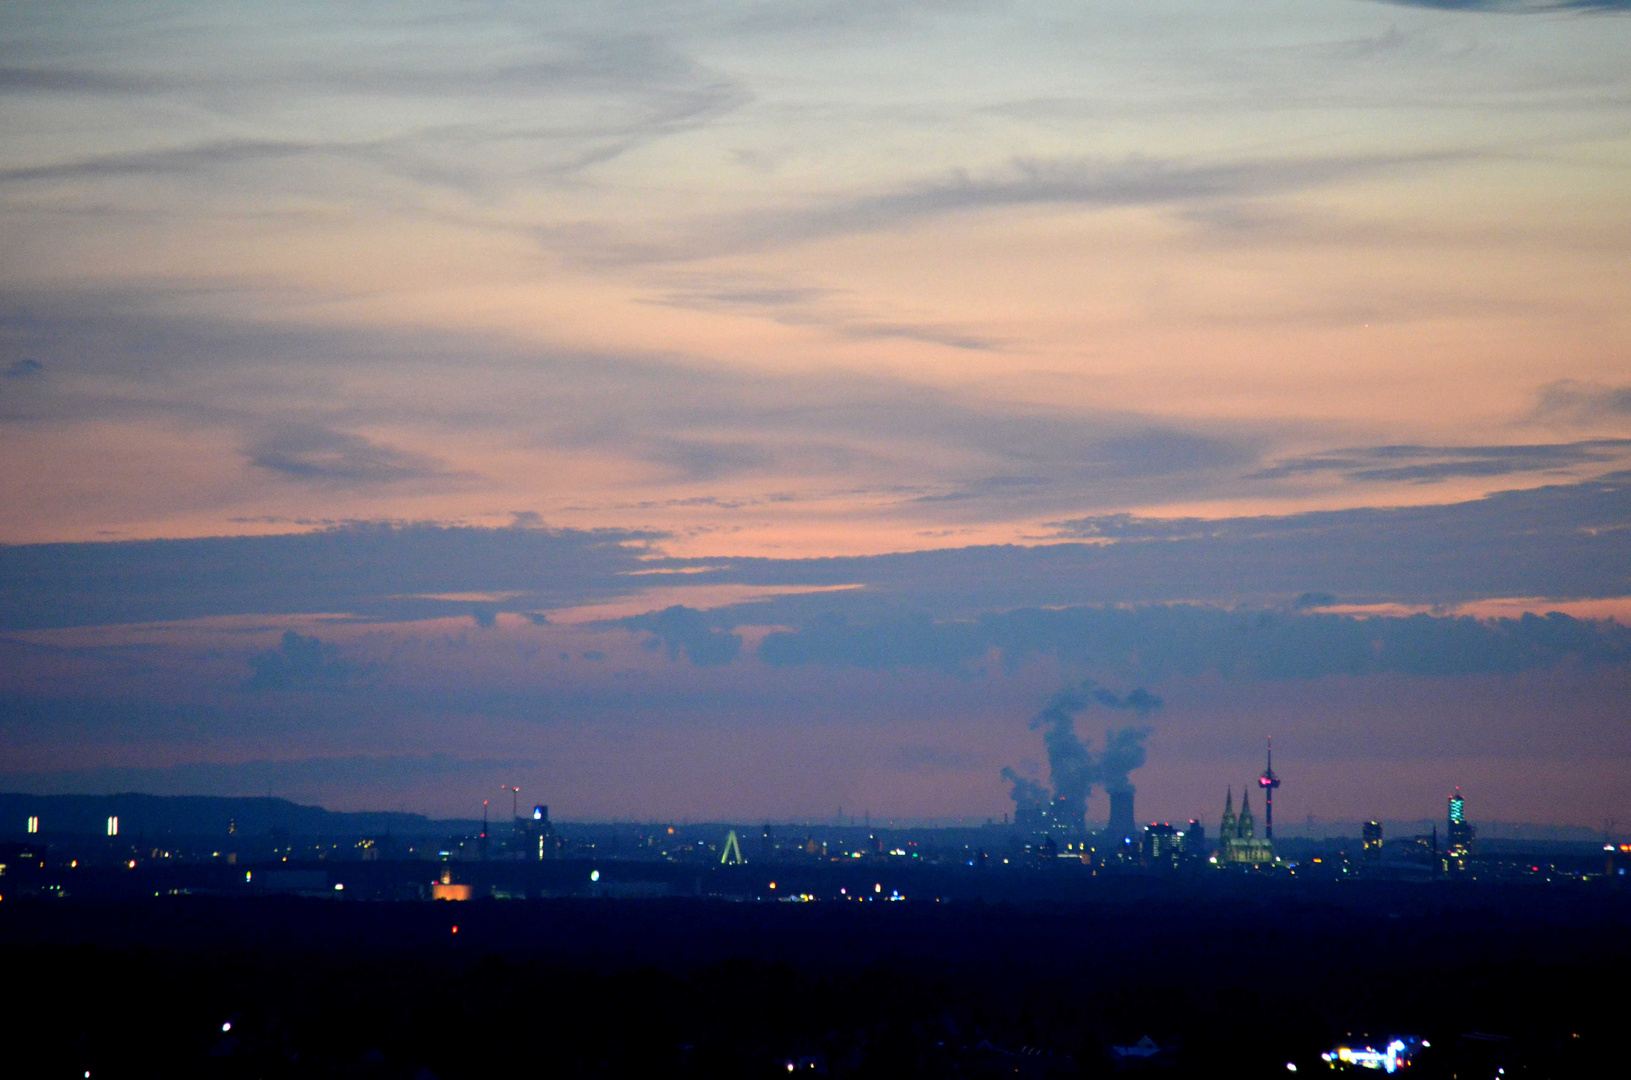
x,y
1029,796
1123,752
1073,769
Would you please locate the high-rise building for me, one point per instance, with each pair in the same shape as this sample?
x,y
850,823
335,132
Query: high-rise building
x,y
1121,824
1372,841
535,837
1458,841
1192,842
1162,846
1064,816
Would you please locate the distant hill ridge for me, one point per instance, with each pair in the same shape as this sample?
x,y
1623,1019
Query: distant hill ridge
x,y
202,815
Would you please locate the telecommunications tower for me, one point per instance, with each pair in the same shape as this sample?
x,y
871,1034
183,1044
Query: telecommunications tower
x,y
1268,782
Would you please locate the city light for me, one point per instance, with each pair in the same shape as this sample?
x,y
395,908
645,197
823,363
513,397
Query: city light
x,y
1389,1059
113,826
33,824
594,875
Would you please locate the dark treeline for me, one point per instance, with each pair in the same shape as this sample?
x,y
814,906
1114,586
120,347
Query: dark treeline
x,y
705,988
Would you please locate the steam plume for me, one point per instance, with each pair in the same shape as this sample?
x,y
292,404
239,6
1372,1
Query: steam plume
x,y
1123,752
1029,796
1073,769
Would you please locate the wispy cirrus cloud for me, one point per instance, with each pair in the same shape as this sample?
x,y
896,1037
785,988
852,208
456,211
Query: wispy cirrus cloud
x,y
1582,402
1086,183
319,455
1433,464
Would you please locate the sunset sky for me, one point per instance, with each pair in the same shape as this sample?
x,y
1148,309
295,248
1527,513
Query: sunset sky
x,y
750,409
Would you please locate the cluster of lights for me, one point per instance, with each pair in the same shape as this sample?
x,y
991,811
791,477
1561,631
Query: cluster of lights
x,y
1394,1056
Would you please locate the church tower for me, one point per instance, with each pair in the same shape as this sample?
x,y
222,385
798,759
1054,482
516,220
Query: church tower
x,y
1237,835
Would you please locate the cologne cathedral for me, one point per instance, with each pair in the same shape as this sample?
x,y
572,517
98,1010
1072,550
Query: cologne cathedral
x,y
1237,836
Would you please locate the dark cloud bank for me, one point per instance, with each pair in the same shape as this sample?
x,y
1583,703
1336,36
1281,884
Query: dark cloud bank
x,y
1162,641
370,571
302,662
1238,596
1564,541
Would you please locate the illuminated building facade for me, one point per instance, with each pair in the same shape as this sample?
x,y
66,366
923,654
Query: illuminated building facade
x,y
1372,841
535,838
1238,843
1163,846
1388,1057
1458,842
1063,816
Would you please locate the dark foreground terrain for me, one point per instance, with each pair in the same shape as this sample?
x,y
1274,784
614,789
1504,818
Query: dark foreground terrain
x,y
1531,980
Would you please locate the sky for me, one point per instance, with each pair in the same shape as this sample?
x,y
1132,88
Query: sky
x,y
764,409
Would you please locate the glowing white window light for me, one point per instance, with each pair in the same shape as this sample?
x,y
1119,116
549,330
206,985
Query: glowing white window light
x,y
594,875
1387,1060
33,823
113,825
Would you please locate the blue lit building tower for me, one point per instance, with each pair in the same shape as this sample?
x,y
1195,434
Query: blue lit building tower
x,y
1268,782
1459,840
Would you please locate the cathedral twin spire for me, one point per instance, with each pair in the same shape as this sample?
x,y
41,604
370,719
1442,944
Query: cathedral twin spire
x,y
1233,827
1238,843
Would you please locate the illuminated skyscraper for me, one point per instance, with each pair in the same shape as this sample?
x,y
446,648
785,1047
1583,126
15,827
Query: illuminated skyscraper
x,y
1458,843
1162,846
1372,843
535,838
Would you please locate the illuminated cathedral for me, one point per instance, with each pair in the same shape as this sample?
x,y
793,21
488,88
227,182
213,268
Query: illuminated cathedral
x,y
1237,836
